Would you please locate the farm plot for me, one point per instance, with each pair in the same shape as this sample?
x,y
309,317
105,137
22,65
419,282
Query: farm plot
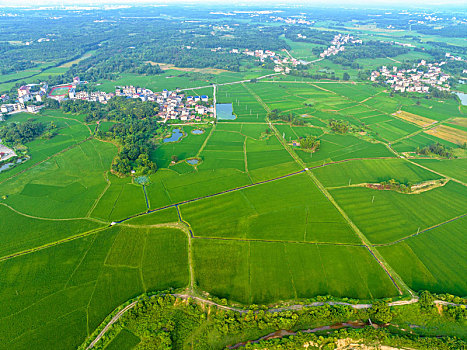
x,y
372,171
432,109
392,130
121,200
449,134
224,150
65,186
297,98
155,218
456,168
70,132
289,132
335,148
433,260
245,106
419,140
414,118
265,272
268,159
386,216
184,187
383,103
187,147
53,297
355,92
19,232
289,209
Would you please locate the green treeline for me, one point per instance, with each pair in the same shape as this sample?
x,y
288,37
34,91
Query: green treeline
x,y
435,148
21,133
133,133
166,322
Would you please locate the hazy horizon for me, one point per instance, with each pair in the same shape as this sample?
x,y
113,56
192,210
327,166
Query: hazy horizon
x,y
302,3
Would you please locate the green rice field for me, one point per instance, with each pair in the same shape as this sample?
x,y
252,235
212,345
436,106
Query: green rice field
x,y
256,221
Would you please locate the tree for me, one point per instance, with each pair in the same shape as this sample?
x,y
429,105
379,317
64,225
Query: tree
x,y
346,76
381,312
310,142
426,300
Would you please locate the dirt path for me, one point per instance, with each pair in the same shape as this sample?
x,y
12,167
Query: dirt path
x,y
203,301
111,322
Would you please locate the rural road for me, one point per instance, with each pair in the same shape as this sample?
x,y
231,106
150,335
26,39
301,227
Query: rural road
x,y
286,308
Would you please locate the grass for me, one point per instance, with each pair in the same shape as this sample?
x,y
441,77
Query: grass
x,y
187,147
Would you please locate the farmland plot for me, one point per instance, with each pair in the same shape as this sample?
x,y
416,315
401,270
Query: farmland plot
x,y
55,296
386,216
262,272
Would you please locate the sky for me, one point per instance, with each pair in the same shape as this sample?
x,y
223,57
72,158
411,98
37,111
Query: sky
x,y
344,3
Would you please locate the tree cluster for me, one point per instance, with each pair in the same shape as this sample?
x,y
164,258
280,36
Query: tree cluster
x,y
21,133
339,126
435,148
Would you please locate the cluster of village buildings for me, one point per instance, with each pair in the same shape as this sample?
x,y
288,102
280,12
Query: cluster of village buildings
x,y
416,79
337,44
172,104
292,20
26,93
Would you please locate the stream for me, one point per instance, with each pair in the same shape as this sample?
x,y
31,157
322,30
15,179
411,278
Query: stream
x,y
285,333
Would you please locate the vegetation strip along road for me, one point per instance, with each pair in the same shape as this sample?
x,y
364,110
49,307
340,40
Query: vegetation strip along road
x,y
204,301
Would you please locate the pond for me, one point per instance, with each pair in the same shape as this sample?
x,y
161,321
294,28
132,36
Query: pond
x,y
7,166
463,98
197,131
176,135
224,111
192,161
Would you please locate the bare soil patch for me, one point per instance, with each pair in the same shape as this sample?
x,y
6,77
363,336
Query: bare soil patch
x,y
449,134
414,118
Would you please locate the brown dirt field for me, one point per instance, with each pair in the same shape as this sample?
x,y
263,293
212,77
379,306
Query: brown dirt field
x,y
414,118
166,66
459,121
449,134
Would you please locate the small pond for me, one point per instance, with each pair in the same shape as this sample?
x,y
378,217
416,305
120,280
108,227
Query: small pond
x,y
197,131
192,161
463,98
224,111
176,135
7,166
